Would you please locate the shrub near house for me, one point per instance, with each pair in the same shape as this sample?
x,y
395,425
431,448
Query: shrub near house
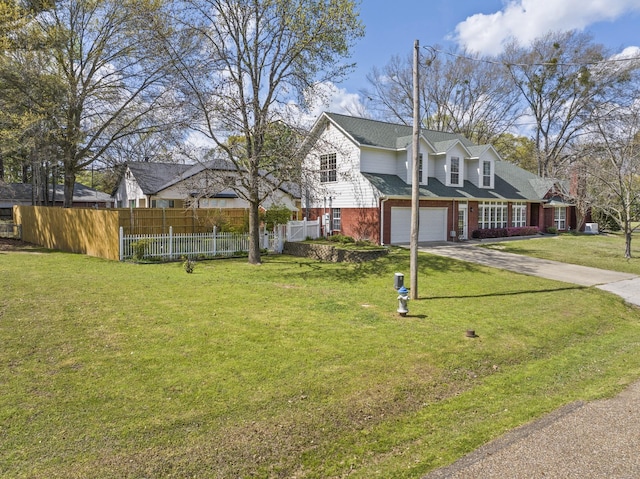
x,y
505,232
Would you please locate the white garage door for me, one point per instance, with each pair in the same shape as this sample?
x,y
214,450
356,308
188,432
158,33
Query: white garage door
x,y
433,225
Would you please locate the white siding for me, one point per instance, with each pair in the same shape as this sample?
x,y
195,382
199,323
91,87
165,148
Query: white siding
x,y
351,189
378,161
440,168
128,190
472,171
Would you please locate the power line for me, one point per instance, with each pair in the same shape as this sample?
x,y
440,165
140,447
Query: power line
x,y
509,64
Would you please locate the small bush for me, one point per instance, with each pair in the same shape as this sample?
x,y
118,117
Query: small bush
x,y
505,232
552,230
189,265
338,238
140,249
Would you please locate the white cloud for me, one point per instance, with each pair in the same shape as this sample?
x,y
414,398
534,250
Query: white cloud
x,y
529,19
326,97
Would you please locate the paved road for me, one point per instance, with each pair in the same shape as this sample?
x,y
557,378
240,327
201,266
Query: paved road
x,y
600,439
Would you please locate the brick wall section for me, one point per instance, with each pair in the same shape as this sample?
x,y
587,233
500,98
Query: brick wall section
x,y
331,253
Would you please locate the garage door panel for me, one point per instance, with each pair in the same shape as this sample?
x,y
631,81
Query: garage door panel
x,y
433,225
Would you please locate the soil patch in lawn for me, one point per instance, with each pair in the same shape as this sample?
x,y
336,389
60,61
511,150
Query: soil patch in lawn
x,y
10,244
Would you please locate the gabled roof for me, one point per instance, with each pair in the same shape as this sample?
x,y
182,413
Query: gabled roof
x,y
154,177
151,177
23,192
510,182
388,135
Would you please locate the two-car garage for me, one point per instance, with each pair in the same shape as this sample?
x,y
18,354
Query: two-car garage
x,y
433,225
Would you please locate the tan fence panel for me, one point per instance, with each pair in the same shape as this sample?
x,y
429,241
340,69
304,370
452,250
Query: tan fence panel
x,y
77,230
152,221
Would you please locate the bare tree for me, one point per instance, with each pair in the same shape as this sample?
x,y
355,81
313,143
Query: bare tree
x,y
611,163
459,93
248,59
562,77
102,52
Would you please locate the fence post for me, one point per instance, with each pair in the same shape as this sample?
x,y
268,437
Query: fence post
x,y
170,243
215,239
121,242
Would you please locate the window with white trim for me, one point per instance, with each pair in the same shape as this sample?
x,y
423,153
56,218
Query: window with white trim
x,y
560,218
519,214
336,226
162,203
486,174
328,168
420,165
454,173
492,214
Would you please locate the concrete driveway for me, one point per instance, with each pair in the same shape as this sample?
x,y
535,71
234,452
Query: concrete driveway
x,y
623,284
600,439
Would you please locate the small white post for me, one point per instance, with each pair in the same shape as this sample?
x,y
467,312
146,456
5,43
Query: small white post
x,y
121,241
170,243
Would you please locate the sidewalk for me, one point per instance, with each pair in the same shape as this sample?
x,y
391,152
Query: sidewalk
x,y
600,439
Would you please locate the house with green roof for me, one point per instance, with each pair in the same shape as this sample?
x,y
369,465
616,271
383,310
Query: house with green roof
x,y
361,183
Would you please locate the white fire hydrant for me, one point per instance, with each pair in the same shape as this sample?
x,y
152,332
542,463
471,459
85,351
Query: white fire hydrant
x,y
403,297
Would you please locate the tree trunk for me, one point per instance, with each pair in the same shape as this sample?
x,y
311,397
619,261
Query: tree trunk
x,y
627,249
69,183
254,233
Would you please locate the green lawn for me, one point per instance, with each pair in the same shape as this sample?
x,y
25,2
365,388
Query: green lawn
x,y
601,251
291,369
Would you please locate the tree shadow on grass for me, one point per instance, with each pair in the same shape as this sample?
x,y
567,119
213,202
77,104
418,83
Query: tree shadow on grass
x,y
396,261
507,293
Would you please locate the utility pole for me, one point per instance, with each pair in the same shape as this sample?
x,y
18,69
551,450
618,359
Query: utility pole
x,y
415,177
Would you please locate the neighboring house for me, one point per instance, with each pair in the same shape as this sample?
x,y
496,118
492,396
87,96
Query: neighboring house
x,y
363,181
23,194
203,185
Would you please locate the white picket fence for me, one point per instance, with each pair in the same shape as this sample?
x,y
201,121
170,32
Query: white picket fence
x,y
167,247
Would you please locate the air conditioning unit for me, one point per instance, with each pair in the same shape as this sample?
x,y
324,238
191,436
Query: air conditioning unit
x,y
591,228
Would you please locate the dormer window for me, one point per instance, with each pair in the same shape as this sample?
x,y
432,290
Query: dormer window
x,y
454,171
486,176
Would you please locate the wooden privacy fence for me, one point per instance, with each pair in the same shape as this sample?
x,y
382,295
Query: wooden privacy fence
x,y
167,247
155,221
98,232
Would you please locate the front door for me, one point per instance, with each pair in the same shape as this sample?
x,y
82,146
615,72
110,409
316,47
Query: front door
x,y
462,222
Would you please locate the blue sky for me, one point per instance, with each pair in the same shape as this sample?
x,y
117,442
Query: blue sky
x,y
481,25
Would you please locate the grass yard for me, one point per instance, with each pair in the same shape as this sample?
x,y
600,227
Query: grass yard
x,y
291,369
604,251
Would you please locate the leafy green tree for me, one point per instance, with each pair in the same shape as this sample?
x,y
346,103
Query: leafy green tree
x,y
518,150
248,60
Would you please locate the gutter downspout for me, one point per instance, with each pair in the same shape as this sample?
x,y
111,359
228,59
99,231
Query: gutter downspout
x,y
382,202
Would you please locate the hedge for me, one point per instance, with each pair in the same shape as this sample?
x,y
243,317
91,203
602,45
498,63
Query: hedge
x,y
505,232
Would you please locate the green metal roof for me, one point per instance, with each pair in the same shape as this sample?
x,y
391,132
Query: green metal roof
x,y
510,181
509,184
388,135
